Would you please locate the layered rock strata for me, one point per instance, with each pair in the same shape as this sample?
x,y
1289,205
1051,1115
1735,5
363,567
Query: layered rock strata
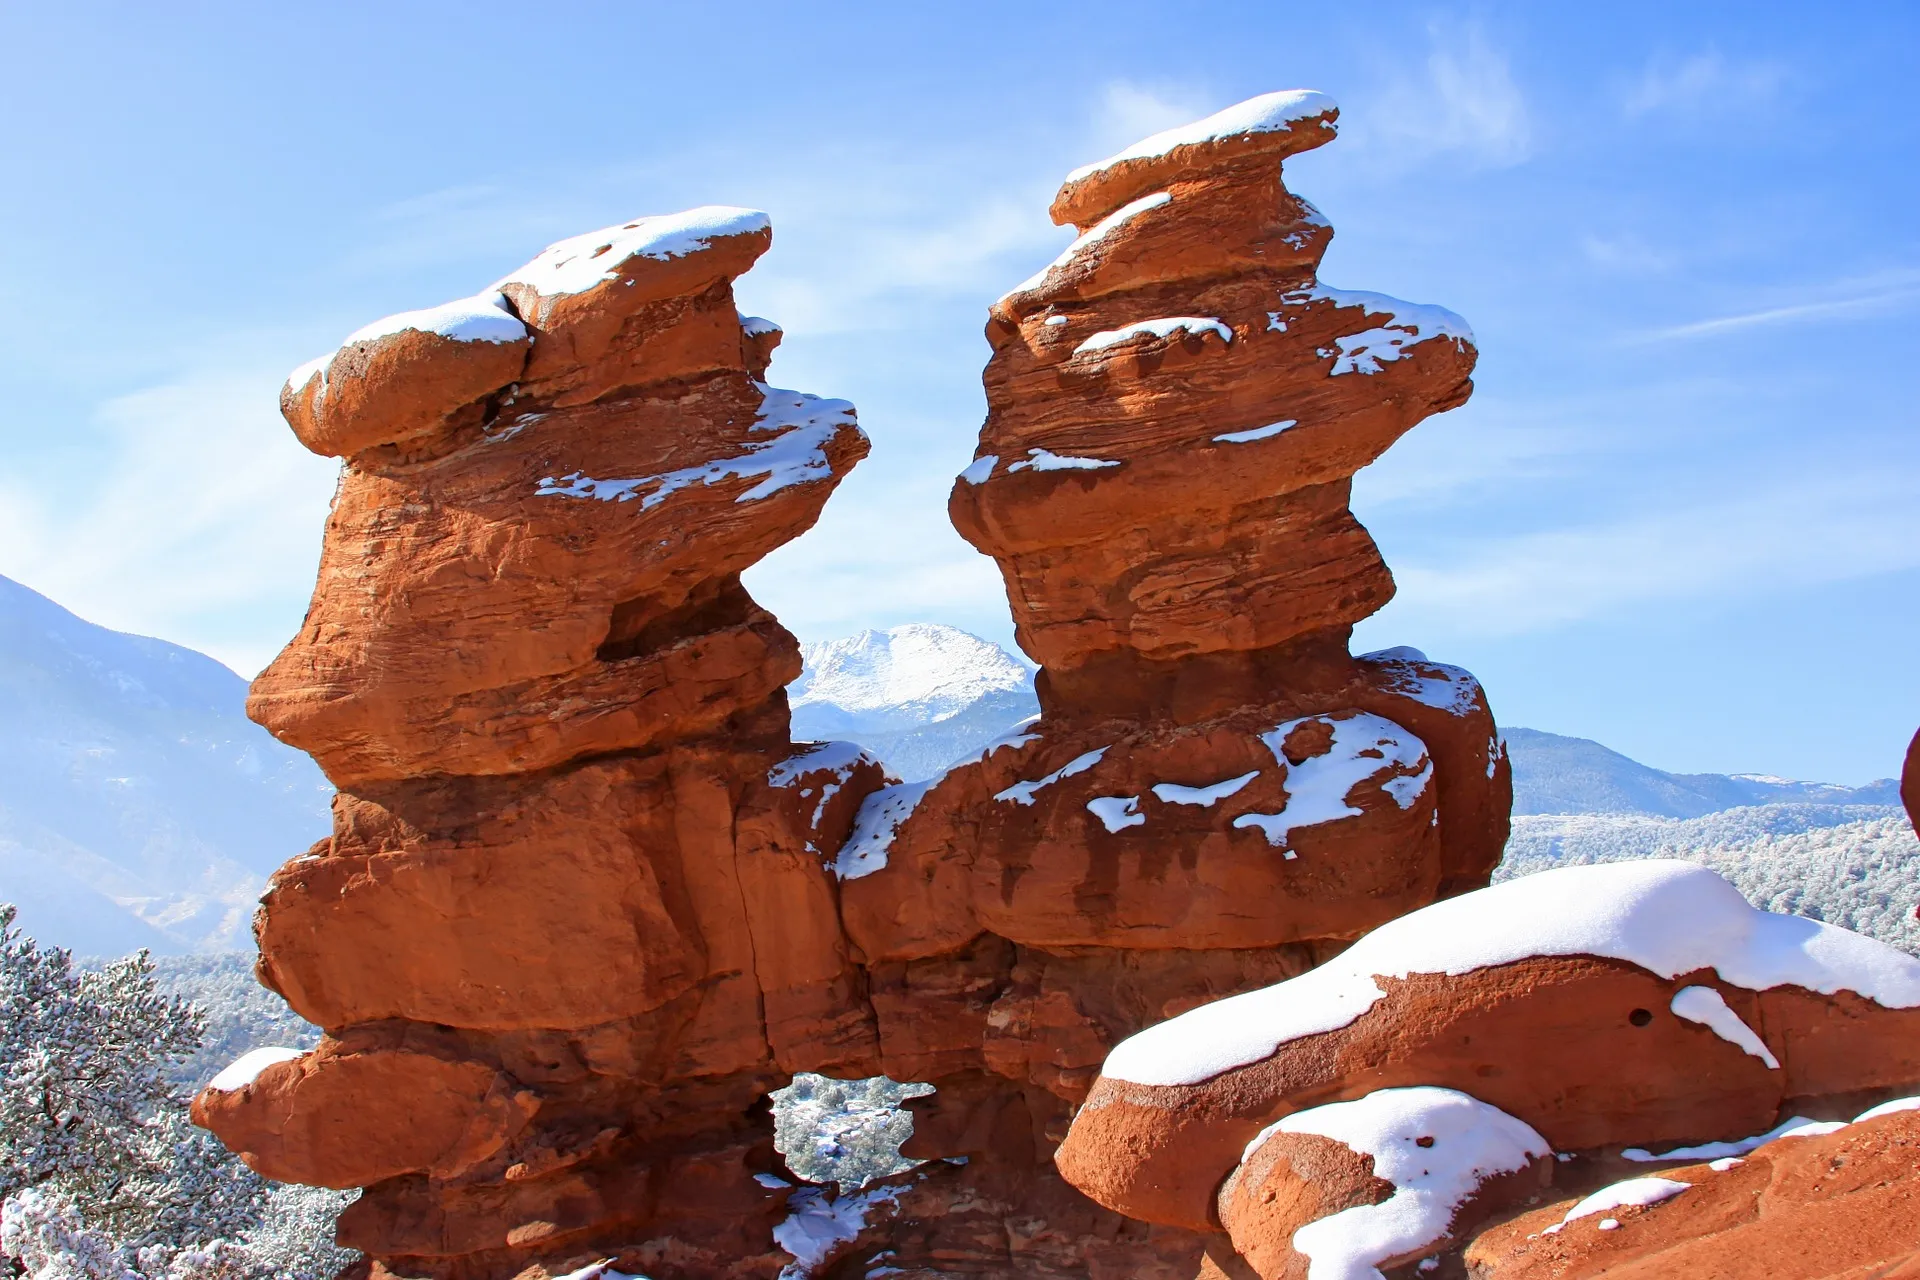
x,y
572,923
1830,1202
1373,1111
1217,794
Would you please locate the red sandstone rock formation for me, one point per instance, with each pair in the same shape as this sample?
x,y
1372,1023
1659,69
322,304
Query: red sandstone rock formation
x,y
1217,795
1587,1010
572,923
1840,1205
575,918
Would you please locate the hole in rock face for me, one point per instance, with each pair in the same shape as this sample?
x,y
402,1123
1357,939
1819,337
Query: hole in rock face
x,y
844,1131
1640,1017
641,626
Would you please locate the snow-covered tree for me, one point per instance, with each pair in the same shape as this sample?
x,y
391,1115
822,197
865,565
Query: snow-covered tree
x,y
102,1175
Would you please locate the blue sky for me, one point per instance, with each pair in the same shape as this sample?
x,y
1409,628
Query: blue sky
x,y
1681,514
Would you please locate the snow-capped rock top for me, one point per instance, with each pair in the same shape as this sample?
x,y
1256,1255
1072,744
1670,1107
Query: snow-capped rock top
x,y
918,674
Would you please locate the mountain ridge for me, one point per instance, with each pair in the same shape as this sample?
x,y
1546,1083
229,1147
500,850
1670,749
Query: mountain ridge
x,y
138,804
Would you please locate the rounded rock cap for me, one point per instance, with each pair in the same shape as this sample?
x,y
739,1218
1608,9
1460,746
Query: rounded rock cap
x,y
1277,124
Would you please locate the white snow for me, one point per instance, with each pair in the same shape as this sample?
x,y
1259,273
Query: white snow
x,y
1256,433
1408,324
1054,322
1363,745
1399,653
815,1225
1023,792
758,326
1436,1146
1117,813
1709,1008
298,379
1265,114
242,1071
1888,1108
481,318
797,455
1796,1127
921,673
1667,917
841,757
1018,738
1722,1165
1634,1191
980,468
601,1270
578,263
1174,793
1044,460
1092,236
1162,327
875,826
1410,674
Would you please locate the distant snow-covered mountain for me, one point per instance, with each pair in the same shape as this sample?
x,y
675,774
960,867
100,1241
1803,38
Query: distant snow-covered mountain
x,y
920,696
139,807
1554,774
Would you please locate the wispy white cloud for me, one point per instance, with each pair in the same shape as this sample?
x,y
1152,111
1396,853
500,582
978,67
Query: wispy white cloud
x,y
1460,102
198,520
1128,112
1881,294
1831,529
1702,85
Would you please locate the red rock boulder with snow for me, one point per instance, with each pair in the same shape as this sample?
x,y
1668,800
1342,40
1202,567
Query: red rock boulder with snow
x,y
1833,1202
1578,1011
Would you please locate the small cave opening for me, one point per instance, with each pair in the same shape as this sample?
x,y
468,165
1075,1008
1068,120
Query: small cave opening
x,y
640,626
844,1132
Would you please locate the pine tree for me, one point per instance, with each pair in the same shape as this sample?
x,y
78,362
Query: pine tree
x,y
102,1175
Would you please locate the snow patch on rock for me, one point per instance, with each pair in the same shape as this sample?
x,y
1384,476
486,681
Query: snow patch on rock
x,y
1267,113
1023,792
1436,1146
1045,460
1639,1192
481,318
875,826
1669,918
1251,434
578,263
1117,813
1163,328
1363,745
1174,793
797,455
1709,1008
245,1069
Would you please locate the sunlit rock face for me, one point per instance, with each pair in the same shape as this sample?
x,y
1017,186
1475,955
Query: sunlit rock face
x,y
585,902
573,921
1218,795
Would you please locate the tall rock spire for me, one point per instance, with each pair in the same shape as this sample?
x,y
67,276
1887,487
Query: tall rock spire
x,y
571,925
